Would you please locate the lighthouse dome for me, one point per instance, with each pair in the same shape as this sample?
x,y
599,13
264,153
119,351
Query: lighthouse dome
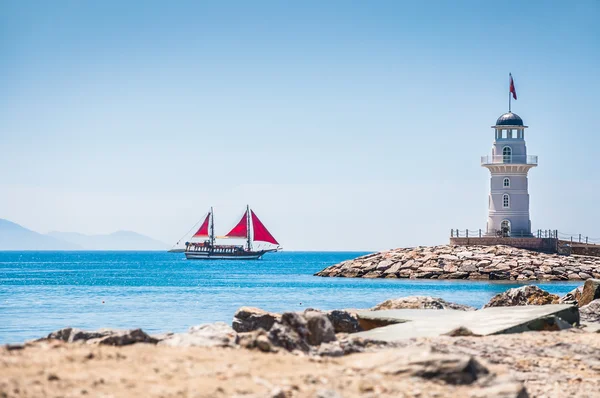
x,y
509,119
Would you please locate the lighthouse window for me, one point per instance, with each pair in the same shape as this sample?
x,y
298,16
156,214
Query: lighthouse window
x,y
507,182
506,154
505,200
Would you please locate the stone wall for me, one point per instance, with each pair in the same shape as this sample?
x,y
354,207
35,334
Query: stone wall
x,y
538,244
584,250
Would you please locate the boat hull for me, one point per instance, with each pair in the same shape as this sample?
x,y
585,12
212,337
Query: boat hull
x,y
206,255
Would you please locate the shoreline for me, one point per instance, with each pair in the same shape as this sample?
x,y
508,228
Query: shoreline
x,y
330,354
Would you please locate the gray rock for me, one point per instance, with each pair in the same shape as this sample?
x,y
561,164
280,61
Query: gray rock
x,y
72,335
330,350
590,292
455,369
216,334
103,336
420,302
320,329
383,265
590,312
127,337
525,295
257,339
572,297
287,338
291,334
344,321
247,319
509,389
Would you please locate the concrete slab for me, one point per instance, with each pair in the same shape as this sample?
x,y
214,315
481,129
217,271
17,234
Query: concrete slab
x,y
430,323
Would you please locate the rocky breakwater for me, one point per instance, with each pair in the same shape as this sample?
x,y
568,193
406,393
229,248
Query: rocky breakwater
x,y
467,262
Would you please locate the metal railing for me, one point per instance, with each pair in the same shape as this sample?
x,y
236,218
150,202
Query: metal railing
x,y
540,233
510,159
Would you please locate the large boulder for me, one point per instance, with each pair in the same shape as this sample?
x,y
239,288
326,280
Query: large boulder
x,y
590,312
320,329
525,295
590,292
247,319
344,321
295,332
420,302
216,334
291,334
422,362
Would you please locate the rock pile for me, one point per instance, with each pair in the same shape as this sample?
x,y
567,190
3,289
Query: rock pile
x,y
312,332
467,262
525,295
420,302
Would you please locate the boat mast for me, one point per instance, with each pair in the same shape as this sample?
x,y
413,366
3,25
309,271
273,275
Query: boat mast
x,y
212,227
248,227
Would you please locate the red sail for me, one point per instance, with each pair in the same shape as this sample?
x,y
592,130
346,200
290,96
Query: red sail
x,y
240,230
203,230
260,231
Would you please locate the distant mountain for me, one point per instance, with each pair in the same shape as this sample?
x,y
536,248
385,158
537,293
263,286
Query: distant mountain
x,y
120,240
15,237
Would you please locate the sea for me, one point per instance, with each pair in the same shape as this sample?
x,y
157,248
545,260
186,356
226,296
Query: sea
x,y
157,291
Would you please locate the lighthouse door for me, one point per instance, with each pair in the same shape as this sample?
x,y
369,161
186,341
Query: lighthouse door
x,y
505,227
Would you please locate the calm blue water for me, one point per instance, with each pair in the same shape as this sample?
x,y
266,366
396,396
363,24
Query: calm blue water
x,y
44,291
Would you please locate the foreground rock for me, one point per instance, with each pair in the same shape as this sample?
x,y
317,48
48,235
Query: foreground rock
x,y
467,262
344,321
420,302
584,294
248,319
590,312
525,295
216,334
543,364
295,332
589,292
102,337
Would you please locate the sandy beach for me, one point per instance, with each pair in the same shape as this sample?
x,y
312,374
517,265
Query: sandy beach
x,y
546,364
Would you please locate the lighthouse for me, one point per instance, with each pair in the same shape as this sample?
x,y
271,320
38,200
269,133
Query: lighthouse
x,y
509,165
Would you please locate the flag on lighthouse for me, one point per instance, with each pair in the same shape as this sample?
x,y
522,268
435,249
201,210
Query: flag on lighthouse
x,y
512,87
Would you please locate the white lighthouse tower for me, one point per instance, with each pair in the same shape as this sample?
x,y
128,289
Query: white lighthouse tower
x,y
509,164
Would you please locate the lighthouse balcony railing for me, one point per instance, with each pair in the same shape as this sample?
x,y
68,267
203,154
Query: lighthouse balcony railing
x,y
510,159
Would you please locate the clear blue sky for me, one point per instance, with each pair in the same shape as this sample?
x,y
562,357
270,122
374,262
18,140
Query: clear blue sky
x,y
346,125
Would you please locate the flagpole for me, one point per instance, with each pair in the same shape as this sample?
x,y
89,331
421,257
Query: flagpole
x,y
509,111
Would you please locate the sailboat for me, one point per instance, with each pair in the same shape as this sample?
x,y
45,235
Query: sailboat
x,y
249,228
